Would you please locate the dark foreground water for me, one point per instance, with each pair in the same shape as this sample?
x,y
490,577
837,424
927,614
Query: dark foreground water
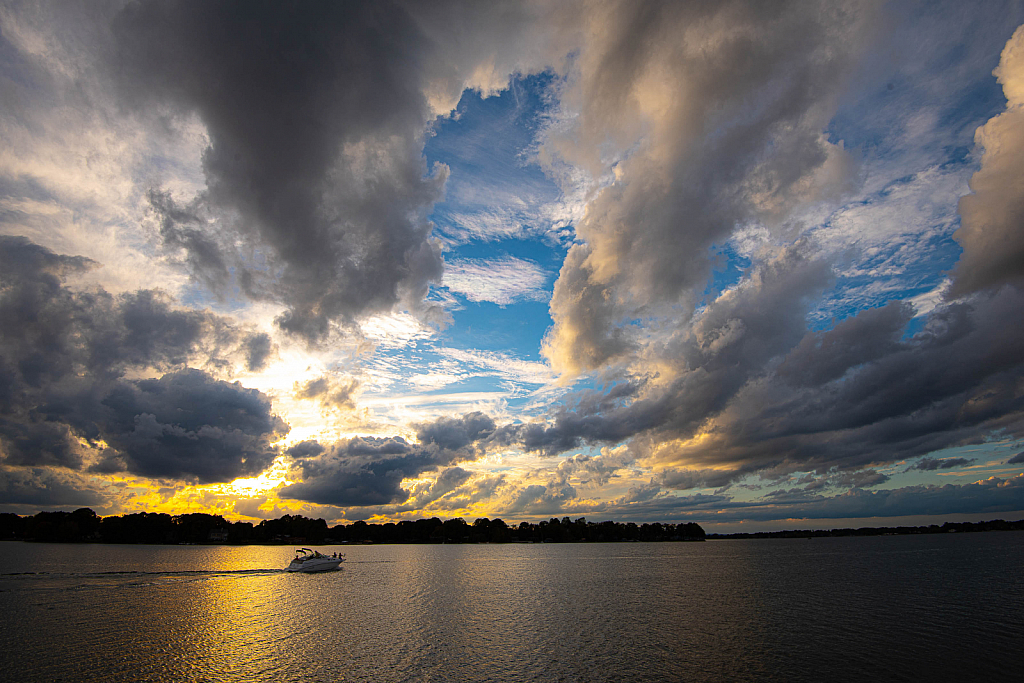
x,y
912,608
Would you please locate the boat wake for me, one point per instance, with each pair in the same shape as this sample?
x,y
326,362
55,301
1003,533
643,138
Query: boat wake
x,y
193,572
105,580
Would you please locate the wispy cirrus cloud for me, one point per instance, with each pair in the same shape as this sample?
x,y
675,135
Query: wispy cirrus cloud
x,y
502,281
505,365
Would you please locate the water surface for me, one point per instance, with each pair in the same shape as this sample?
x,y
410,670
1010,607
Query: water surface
x,y
885,608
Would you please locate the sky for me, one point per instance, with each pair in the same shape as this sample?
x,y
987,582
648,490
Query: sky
x,y
752,265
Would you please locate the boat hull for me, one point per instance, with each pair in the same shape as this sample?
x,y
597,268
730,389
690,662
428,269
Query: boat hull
x,y
312,566
308,561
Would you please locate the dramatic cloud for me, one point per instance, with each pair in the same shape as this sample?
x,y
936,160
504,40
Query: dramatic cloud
x,y
362,471
449,480
330,393
591,470
50,329
780,245
702,116
751,396
187,425
540,499
258,349
932,464
992,215
743,386
30,488
305,449
993,496
868,336
456,433
367,471
683,479
317,190
315,122
727,345
64,398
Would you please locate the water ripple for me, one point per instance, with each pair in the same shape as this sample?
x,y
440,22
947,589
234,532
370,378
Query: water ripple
x,y
841,609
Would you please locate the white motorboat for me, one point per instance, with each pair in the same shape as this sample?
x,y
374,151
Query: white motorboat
x,y
307,560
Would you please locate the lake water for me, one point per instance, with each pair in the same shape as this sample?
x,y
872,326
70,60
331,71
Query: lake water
x,y
914,608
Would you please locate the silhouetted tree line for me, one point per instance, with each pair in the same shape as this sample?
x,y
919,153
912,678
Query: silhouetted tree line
x,y
484,530
948,527
84,526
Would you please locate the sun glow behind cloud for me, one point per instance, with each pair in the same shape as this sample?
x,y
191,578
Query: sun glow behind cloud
x,y
267,481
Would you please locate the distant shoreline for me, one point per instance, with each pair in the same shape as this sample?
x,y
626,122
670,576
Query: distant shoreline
x,y
947,528
84,526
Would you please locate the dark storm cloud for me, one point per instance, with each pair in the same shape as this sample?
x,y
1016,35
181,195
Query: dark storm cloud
x,y
769,397
316,116
858,479
51,332
38,314
932,464
305,449
991,496
362,471
63,357
683,479
258,349
369,471
24,261
151,332
825,356
453,433
727,347
313,116
987,496
182,229
187,425
37,442
578,419
39,487
814,485
1019,458
949,385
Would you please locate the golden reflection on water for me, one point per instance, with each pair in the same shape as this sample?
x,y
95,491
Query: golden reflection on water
x,y
205,621
538,612
726,610
222,626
